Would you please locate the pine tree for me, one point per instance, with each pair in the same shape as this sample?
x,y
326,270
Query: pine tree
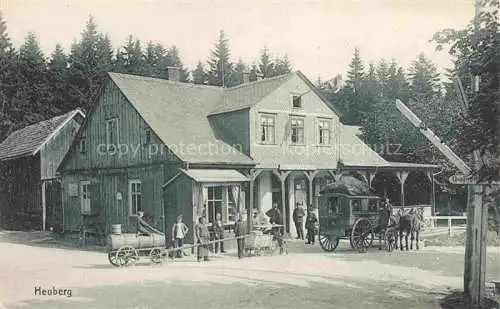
x,y
424,79
57,76
199,75
8,80
282,66
356,72
132,57
90,60
254,71
239,71
220,68
266,65
32,81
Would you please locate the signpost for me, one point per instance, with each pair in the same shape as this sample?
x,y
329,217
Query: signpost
x,y
477,215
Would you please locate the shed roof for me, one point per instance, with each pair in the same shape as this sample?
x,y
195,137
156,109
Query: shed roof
x,y
354,152
215,175
30,139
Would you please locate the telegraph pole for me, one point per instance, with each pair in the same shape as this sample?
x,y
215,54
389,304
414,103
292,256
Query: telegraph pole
x,y
477,214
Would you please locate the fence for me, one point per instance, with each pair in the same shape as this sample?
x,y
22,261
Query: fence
x,y
171,252
432,223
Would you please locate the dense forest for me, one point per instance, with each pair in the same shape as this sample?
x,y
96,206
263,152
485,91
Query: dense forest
x,y
34,86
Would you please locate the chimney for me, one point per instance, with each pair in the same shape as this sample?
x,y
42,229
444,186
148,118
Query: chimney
x,y
246,77
174,74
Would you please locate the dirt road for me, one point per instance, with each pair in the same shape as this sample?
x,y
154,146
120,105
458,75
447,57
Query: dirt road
x,y
308,278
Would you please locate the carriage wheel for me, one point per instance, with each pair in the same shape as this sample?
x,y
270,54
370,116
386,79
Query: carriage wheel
x,y
328,242
156,256
361,235
389,240
126,256
112,258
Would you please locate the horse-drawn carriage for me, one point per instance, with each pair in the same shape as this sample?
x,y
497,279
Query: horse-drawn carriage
x,y
349,209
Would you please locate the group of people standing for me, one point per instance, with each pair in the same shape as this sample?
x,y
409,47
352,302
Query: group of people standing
x,y
274,217
311,223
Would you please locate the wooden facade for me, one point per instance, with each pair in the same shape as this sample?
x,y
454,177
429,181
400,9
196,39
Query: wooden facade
x,y
30,191
139,157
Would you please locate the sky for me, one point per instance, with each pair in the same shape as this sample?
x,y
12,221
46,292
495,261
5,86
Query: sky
x,y
318,36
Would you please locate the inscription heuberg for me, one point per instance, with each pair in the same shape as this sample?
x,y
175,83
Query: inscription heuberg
x,y
39,291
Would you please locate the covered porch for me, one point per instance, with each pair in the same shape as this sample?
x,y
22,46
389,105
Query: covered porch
x,y
405,184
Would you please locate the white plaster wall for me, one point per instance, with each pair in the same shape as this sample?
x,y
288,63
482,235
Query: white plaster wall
x,y
265,193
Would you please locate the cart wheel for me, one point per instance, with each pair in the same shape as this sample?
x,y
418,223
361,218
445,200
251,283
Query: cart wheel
x,y
361,235
156,256
389,239
328,242
126,256
112,258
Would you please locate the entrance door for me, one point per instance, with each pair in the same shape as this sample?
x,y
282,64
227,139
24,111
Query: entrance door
x,y
85,197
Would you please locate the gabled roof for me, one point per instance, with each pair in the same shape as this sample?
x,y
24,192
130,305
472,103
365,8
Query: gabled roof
x,y
249,94
29,140
177,113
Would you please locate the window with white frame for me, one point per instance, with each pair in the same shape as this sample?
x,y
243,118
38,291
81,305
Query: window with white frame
x,y
297,130
214,202
324,128
112,133
135,196
85,197
267,128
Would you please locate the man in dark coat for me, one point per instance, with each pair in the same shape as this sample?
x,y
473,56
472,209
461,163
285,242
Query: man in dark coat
x,y
219,233
275,217
298,219
241,229
311,221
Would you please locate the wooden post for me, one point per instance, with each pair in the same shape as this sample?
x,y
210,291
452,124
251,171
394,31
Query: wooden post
x,y
282,177
449,226
251,201
44,206
310,178
253,174
430,175
283,208
402,178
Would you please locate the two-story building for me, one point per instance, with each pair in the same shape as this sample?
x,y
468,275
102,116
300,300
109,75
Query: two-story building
x,y
169,148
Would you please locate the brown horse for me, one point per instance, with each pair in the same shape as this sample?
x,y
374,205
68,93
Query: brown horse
x,y
410,224
417,219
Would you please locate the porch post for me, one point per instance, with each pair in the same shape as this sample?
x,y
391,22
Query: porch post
x,y
430,175
253,174
310,177
44,206
402,178
282,177
371,176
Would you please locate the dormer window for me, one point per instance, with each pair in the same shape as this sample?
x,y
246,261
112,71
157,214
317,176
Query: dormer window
x,y
296,101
